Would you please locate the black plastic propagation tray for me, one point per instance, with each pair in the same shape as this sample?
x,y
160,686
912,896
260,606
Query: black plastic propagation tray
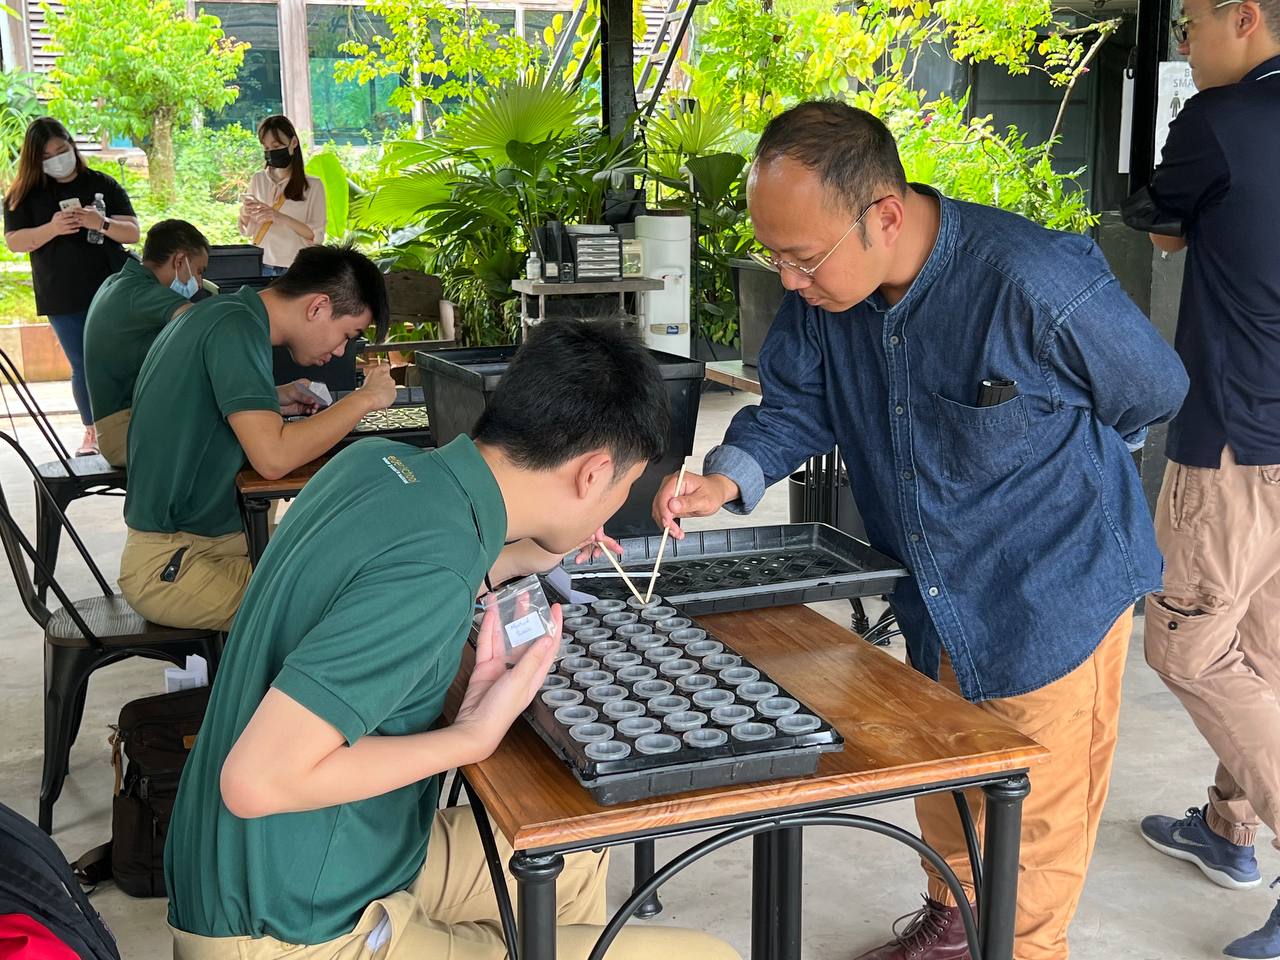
x,y
658,682
746,568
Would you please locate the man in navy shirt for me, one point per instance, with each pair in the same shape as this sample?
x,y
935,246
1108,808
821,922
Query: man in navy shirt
x,y
1023,523
1212,633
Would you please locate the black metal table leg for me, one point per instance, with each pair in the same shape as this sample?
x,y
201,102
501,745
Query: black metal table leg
x,y
536,903
257,526
644,867
1000,866
762,896
788,866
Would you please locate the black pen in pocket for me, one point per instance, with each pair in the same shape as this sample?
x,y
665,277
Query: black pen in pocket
x,y
996,391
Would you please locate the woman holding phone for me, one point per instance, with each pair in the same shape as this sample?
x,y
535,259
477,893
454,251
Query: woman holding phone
x,y
50,213
284,210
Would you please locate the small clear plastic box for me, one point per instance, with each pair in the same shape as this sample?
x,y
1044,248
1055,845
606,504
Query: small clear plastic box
x,y
524,615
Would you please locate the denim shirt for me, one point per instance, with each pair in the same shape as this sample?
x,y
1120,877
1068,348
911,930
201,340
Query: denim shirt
x,y
1024,524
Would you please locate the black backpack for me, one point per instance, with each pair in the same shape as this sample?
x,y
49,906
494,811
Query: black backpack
x,y
36,882
155,735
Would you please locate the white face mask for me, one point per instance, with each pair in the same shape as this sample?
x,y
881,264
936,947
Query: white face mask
x,y
61,165
185,288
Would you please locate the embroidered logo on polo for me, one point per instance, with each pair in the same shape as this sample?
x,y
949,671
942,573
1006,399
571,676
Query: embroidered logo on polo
x,y
400,469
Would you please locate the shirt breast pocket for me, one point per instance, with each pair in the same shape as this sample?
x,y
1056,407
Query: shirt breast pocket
x,y
982,443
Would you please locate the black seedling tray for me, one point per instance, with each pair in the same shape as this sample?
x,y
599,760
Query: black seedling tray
x,y
746,568
408,424
689,766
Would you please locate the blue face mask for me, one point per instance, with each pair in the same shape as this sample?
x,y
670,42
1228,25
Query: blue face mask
x,y
185,288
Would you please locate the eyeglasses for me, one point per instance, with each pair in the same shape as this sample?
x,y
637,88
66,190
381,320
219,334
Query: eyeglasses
x,y
777,263
1181,27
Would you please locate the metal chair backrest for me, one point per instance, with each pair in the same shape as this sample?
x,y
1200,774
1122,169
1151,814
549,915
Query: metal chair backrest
x,y
20,551
9,370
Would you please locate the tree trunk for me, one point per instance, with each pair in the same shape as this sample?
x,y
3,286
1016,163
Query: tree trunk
x,y
160,156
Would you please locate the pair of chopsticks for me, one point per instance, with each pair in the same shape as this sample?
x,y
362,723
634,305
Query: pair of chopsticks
x,y
666,531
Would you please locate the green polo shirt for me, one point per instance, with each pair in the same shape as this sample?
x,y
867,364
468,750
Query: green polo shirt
x,y
127,313
358,611
211,362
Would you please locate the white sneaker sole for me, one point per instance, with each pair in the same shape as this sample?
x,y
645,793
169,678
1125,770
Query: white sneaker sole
x,y
1217,876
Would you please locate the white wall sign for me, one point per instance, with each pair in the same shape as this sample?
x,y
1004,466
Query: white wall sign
x,y
1173,91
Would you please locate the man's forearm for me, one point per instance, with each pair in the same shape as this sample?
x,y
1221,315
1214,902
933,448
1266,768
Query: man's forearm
x,y
301,441
372,767
1168,244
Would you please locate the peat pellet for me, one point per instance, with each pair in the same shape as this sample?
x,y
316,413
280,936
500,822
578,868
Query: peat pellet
x,y
751,731
602,648
648,689
684,720
621,709
573,665
661,654
732,714
636,673
606,693
756,689
695,682
638,726
555,699
679,668
668,704
703,648
739,675
635,604
574,624
554,681
774,707
686,635
798,723
619,619
603,607
591,732
616,661
657,743
654,614
591,678
721,661
572,716
608,750
571,610
704,738
672,624
710,699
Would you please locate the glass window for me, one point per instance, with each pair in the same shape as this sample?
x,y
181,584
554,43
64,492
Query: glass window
x,y
536,23
346,111
259,76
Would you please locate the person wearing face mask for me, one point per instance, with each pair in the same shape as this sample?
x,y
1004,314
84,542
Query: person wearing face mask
x,y
127,314
1211,632
205,404
49,214
284,210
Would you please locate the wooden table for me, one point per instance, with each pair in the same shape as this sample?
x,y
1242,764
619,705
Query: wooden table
x,y
256,494
904,736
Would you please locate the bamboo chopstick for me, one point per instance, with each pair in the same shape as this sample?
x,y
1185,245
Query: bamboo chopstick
x,y
666,531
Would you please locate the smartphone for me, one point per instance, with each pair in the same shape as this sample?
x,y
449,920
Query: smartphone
x,y
71,203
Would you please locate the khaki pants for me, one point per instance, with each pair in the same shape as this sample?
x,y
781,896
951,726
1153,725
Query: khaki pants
x,y
1213,635
206,592
113,437
1076,718
451,913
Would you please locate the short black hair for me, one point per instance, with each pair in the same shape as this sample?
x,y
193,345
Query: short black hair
x,y
851,150
168,237
574,387
345,275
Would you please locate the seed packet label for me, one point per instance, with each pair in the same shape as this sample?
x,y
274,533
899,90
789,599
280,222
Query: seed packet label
x,y
525,630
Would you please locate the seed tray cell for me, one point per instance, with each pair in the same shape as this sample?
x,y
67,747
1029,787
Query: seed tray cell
x,y
746,568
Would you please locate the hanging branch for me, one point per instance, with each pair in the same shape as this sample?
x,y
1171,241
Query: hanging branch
x,y
1104,31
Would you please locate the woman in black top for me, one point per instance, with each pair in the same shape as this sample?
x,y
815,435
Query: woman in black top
x,y
49,213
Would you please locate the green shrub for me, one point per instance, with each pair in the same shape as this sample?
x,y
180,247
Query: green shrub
x,y
216,163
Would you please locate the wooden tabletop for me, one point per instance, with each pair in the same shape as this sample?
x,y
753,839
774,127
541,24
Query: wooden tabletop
x,y
900,730
253,484
736,374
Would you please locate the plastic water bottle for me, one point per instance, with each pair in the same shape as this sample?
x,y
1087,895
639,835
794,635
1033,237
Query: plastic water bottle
x,y
95,236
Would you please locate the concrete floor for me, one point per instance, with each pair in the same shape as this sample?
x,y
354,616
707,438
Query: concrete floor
x,y
1137,904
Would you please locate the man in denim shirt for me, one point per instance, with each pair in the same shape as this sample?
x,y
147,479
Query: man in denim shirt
x,y
1024,524
1211,632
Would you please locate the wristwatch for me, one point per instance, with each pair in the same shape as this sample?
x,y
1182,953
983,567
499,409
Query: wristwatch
x,y
107,222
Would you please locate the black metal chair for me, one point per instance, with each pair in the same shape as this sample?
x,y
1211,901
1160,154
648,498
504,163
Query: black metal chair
x,y
67,478
80,636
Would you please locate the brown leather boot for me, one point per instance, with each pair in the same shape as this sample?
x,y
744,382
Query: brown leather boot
x,y
933,932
